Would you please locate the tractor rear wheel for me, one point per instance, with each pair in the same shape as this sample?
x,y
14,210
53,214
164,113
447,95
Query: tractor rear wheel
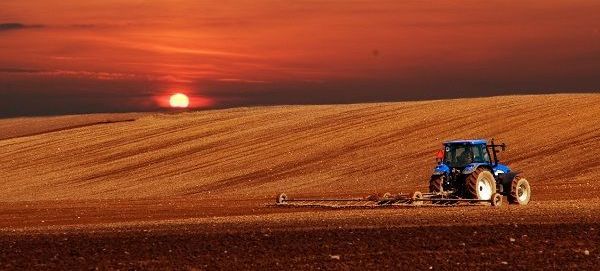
x,y
436,184
480,184
520,191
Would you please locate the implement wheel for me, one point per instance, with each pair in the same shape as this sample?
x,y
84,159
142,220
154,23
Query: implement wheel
x,y
281,198
496,200
520,191
481,184
416,198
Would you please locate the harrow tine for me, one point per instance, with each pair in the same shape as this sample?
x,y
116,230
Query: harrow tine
x,y
399,200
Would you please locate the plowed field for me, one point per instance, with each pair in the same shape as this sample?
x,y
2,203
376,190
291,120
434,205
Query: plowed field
x,y
191,190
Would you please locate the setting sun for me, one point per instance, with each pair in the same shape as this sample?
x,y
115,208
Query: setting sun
x,y
179,100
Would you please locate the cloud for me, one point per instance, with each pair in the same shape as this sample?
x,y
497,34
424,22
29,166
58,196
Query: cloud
x,y
17,26
18,70
180,50
21,26
83,25
97,75
239,80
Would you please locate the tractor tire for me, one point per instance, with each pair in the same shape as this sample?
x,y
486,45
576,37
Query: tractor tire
x,y
520,191
436,184
480,184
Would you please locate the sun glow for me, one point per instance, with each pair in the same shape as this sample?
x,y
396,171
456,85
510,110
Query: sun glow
x,y
179,100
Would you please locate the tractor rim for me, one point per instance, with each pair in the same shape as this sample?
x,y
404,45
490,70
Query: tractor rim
x,y
484,188
522,193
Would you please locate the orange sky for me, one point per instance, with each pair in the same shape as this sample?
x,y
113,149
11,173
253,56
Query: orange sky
x,y
110,55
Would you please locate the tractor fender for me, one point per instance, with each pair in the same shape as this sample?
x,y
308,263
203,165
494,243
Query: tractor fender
x,y
441,169
474,166
501,169
506,181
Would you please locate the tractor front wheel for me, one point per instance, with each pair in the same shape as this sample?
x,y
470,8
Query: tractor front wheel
x,y
480,184
520,191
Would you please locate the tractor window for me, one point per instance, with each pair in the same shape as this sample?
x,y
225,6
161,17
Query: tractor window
x,y
480,154
458,155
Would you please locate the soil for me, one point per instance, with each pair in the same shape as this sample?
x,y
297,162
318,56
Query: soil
x,y
196,190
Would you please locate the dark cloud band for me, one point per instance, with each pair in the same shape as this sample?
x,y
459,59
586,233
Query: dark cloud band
x,y
18,26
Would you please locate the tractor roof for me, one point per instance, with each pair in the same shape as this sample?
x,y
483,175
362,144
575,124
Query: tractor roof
x,y
466,141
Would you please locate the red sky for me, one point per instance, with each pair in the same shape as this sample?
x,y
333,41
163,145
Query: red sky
x,y
75,56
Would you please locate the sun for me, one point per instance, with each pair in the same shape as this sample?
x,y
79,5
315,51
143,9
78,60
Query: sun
x,y
179,100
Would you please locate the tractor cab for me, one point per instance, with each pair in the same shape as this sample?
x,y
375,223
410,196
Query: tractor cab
x,y
464,156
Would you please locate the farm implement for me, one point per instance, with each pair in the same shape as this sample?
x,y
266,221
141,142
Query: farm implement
x,y
416,199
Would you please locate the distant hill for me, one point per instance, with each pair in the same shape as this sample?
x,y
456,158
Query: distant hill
x,y
304,150
27,126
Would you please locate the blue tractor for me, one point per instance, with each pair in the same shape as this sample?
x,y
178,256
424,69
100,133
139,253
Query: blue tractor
x,y
469,169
